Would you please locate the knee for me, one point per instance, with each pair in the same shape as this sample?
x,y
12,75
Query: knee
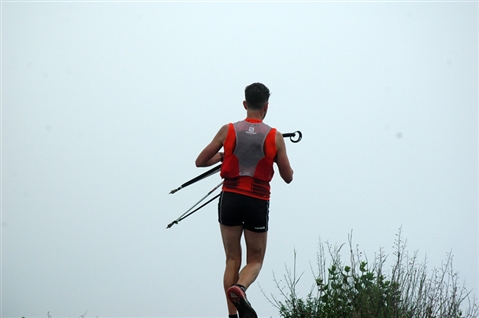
x,y
256,256
233,258
233,264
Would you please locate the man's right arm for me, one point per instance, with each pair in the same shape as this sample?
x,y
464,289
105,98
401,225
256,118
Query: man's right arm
x,y
282,160
210,155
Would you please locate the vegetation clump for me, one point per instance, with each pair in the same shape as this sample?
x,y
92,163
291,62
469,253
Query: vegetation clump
x,y
365,290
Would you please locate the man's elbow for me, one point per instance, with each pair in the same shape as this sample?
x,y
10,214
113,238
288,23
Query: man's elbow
x,y
288,177
199,163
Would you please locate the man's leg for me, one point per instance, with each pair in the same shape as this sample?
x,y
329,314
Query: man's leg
x,y
256,247
255,251
231,236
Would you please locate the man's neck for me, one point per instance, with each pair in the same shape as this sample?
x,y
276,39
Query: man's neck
x,y
259,115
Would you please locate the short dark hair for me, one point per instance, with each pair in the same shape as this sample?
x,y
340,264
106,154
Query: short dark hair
x,y
256,95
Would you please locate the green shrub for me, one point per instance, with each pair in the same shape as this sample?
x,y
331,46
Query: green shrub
x,y
364,290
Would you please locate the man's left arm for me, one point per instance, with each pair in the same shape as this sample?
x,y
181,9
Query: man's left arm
x,y
282,160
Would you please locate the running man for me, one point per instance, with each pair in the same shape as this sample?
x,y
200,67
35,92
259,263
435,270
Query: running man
x,y
250,149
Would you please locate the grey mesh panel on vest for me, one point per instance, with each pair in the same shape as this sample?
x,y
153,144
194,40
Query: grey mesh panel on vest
x,y
249,145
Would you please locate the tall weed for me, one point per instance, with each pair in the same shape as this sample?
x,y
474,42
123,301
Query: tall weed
x,y
365,289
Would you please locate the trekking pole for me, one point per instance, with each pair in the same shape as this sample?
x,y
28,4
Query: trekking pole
x,y
297,135
188,213
198,178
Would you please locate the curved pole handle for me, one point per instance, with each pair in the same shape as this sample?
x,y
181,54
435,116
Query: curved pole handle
x,y
297,134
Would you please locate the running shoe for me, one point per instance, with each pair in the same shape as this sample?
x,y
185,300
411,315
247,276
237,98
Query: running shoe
x,y
238,297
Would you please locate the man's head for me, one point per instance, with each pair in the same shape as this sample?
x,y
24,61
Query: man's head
x,y
256,96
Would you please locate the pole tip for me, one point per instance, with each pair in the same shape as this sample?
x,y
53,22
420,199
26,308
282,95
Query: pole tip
x,y
175,190
171,224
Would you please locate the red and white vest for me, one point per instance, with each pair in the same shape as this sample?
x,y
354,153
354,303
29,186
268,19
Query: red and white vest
x,y
249,152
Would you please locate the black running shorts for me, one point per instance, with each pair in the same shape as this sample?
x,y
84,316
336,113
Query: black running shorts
x,y
236,209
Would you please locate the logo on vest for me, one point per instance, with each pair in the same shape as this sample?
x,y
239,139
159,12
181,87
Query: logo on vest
x,y
251,130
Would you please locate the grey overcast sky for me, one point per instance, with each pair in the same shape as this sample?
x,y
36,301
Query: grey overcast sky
x,y
105,106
